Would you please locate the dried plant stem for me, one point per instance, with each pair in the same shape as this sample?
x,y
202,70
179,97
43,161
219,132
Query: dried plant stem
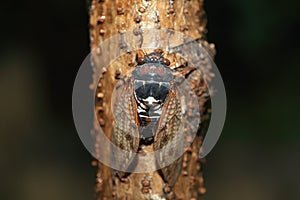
x,y
108,18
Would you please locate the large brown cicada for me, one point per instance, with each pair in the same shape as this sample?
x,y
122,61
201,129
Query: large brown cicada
x,y
148,116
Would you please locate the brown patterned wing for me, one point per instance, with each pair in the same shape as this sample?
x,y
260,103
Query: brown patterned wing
x,y
125,133
169,139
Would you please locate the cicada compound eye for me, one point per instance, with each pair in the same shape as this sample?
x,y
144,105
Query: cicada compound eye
x,y
165,62
140,60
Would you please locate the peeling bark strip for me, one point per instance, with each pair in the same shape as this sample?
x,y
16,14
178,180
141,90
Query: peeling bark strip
x,y
110,17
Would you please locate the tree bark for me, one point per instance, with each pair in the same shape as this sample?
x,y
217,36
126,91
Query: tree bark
x,y
111,17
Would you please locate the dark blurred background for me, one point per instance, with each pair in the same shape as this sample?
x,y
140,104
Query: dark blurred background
x,y
42,46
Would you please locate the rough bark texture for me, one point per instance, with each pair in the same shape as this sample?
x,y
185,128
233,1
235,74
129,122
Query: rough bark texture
x,y
110,17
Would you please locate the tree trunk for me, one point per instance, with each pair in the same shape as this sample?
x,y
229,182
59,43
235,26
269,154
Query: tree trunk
x,y
108,18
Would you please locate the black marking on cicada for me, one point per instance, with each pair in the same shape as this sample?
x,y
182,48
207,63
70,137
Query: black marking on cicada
x,y
149,113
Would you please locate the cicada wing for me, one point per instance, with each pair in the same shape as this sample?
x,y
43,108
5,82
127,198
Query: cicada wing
x,y
125,132
168,141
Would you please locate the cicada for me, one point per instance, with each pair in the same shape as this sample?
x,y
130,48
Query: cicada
x,y
148,113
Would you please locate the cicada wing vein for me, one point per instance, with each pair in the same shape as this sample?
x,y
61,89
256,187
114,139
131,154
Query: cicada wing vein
x,y
125,132
168,141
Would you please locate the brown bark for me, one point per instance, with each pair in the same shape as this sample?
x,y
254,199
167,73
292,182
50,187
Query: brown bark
x,y
108,18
